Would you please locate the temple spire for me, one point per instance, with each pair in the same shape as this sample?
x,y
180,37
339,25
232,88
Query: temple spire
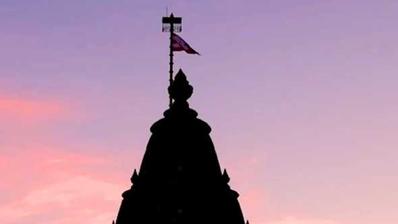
x,y
180,179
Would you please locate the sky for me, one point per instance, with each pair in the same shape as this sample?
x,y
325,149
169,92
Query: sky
x,y
301,96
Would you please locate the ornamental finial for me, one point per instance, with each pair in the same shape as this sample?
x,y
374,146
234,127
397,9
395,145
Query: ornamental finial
x,y
180,90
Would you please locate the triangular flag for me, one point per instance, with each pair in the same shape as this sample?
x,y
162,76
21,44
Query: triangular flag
x,y
179,44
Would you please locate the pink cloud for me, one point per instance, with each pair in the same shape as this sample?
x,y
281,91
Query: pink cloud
x,y
244,172
61,187
253,203
293,220
30,110
80,199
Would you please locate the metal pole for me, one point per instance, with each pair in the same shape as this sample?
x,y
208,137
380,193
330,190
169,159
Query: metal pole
x,y
171,58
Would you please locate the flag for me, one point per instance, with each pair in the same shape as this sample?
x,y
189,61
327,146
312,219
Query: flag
x,y
179,44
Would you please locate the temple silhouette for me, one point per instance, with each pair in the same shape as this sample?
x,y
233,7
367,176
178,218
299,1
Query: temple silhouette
x,y
180,180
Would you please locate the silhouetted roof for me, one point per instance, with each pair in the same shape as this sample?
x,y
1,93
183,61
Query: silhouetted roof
x,y
180,179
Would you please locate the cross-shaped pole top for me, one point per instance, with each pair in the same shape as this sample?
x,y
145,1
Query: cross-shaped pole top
x,y
172,20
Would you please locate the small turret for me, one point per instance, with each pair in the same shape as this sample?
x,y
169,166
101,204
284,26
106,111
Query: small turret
x,y
134,177
225,176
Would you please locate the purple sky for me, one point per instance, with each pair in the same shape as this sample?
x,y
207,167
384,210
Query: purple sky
x,y
301,96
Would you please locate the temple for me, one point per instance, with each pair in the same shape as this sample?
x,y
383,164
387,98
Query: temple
x,y
180,180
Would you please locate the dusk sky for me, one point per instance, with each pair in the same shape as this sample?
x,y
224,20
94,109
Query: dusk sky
x,y
301,96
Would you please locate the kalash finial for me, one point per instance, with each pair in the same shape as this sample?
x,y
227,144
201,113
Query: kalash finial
x,y
180,90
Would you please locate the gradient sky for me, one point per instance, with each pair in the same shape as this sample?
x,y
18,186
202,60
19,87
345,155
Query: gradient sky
x,y
301,95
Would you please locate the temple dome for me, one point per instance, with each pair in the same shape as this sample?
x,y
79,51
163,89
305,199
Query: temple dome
x,y
180,179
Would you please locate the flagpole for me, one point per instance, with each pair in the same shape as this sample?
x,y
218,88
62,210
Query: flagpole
x,y
171,57
171,24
